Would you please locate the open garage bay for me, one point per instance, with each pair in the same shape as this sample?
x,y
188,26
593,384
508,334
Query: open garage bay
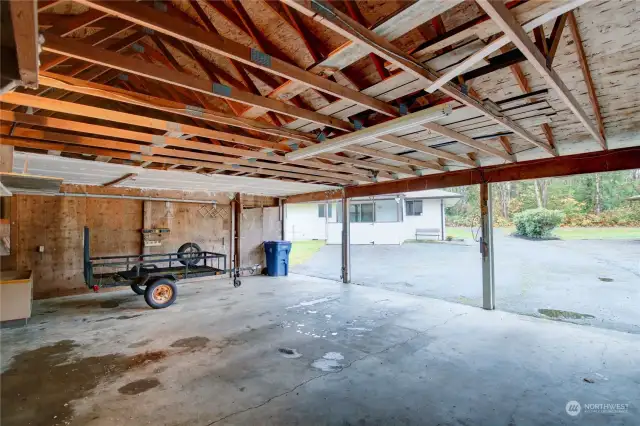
x,y
584,281
306,351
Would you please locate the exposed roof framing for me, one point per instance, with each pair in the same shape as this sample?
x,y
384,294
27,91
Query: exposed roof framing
x,y
325,91
512,29
163,23
338,21
109,92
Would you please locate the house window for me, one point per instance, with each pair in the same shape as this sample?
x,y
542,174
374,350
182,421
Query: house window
x,y
359,213
325,210
387,211
414,207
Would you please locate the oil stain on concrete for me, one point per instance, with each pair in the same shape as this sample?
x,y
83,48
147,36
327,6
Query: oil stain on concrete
x,y
139,386
30,393
140,343
558,314
195,342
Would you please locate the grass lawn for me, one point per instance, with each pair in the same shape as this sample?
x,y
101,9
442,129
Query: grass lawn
x,y
565,233
301,251
464,232
597,233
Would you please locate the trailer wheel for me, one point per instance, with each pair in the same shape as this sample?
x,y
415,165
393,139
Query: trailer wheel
x,y
161,293
137,289
186,252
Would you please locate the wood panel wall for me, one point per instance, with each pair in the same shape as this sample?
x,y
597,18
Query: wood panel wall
x,y
256,226
57,224
207,225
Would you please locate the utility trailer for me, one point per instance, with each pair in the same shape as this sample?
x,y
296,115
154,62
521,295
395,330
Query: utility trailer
x,y
155,275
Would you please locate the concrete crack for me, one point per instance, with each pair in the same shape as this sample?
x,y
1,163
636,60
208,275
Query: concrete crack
x,y
418,334
272,398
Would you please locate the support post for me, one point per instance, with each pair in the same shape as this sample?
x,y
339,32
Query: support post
x,y
346,242
237,225
281,210
442,222
486,247
232,236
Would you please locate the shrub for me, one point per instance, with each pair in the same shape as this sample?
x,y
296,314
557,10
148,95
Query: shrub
x,y
537,223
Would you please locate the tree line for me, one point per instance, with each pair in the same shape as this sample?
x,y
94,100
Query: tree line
x,y
597,199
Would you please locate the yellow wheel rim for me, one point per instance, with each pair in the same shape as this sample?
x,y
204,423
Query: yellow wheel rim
x,y
162,294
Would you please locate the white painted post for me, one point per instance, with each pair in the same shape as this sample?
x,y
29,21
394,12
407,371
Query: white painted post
x,y
346,242
486,247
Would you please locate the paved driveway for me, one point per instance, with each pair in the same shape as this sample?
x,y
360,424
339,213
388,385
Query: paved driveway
x,y
596,278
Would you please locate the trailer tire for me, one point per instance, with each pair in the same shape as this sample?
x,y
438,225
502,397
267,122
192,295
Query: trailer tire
x,y
161,293
137,289
184,254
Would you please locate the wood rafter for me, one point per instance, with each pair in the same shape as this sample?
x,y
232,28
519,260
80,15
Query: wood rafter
x,y
512,29
160,22
586,73
556,36
506,144
24,18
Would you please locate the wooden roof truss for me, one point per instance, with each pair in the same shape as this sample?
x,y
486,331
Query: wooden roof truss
x,y
169,85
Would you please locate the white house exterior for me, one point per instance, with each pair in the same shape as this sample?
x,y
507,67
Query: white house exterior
x,y
385,219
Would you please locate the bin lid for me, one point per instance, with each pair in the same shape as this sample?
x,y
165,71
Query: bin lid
x,y
278,242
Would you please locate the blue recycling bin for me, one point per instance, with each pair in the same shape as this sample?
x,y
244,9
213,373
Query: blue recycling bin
x,y
277,253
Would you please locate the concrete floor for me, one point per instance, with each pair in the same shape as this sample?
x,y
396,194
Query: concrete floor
x,y
306,351
596,278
